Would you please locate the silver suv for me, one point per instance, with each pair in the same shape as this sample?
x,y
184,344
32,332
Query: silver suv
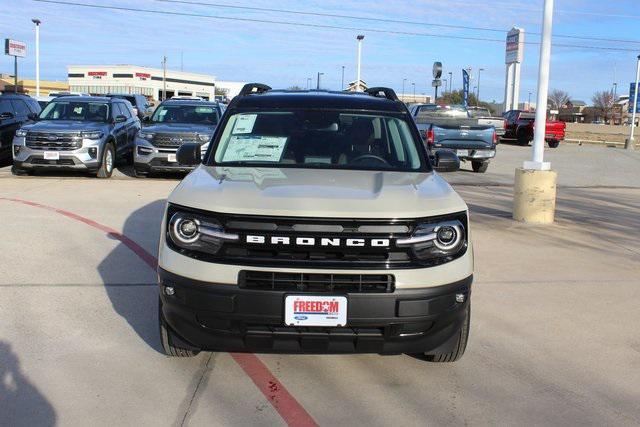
x,y
82,133
174,122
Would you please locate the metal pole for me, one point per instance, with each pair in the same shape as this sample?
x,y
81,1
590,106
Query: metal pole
x,y
436,98
537,162
164,78
318,84
629,144
450,81
15,74
529,102
308,83
478,94
342,84
359,38
37,22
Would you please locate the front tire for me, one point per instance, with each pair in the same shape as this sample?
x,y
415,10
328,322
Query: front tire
x,y
553,143
461,343
108,161
479,166
167,338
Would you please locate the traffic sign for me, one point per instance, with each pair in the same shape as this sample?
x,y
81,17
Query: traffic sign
x,y
632,93
436,83
437,70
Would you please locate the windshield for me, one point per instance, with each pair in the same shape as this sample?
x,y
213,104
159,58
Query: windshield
x,y
479,112
319,139
76,110
199,114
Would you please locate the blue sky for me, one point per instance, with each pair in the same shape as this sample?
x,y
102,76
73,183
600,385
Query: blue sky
x,y
283,55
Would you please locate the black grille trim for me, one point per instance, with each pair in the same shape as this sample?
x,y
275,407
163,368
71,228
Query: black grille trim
x,y
316,282
62,142
165,139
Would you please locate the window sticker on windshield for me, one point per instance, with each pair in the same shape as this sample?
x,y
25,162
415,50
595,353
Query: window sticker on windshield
x,y
77,110
244,123
204,110
255,148
163,113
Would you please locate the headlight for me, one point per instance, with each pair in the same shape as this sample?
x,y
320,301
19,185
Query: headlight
x,y
21,133
146,135
194,232
92,135
205,137
438,240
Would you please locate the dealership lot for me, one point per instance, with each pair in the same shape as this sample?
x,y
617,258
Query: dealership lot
x,y
552,338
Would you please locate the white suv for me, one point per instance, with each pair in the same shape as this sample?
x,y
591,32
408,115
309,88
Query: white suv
x,y
315,223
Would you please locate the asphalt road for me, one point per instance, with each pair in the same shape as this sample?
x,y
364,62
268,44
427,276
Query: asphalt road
x,y
554,336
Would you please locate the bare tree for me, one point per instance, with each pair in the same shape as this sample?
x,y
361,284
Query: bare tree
x,y
558,99
295,88
603,102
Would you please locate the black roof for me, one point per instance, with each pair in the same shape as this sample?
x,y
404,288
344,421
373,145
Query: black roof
x,y
13,95
188,102
317,99
83,98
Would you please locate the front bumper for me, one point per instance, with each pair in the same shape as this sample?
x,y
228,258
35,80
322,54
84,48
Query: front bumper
x,y
212,316
148,158
85,158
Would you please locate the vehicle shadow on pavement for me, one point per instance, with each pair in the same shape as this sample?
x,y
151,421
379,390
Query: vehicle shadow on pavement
x,y
20,401
130,283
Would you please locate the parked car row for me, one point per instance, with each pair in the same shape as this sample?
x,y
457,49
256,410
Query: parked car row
x,y
94,133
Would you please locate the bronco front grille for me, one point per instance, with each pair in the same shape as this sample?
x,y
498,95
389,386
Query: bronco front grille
x,y
306,282
173,139
55,141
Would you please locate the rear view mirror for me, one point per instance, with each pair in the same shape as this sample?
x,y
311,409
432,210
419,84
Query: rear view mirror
x,y
189,154
446,161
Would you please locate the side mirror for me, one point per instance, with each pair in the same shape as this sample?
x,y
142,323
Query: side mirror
x,y
6,115
446,161
120,119
32,116
189,154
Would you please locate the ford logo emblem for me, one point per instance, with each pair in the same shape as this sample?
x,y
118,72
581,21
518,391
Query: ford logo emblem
x,y
176,140
52,138
300,317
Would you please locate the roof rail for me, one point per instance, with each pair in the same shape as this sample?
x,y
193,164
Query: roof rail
x,y
250,88
388,93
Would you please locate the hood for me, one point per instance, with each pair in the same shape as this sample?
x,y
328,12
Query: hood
x,y
317,193
65,126
179,128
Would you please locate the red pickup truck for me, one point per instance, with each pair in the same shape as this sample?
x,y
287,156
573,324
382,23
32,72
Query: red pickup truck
x,y
519,125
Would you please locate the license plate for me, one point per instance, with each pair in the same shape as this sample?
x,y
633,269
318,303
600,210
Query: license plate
x,y
171,158
462,153
51,155
309,310
549,135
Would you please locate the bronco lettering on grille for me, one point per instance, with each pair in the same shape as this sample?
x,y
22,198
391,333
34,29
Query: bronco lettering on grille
x,y
312,241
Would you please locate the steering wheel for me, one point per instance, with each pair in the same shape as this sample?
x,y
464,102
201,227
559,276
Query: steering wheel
x,y
362,159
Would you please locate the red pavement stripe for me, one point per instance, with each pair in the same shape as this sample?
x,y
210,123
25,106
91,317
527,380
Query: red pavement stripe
x,y
287,406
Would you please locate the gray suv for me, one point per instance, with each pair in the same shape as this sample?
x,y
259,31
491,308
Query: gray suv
x,y
174,122
78,133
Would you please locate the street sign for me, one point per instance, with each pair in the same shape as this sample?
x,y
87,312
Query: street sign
x,y
15,48
515,46
632,94
436,83
437,70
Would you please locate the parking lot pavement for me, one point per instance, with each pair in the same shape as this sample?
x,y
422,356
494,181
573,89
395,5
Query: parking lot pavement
x,y
553,337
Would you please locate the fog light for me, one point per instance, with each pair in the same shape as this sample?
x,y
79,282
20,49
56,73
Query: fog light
x,y
143,151
169,290
93,152
460,297
16,150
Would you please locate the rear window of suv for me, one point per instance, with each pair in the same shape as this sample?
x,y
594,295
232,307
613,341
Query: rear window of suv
x,y
319,139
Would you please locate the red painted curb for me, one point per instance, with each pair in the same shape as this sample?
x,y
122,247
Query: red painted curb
x,y
287,406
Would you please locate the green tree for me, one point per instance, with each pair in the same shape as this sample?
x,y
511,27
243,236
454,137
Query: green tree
x,y
295,88
456,97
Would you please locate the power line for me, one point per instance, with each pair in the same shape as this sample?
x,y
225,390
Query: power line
x,y
385,20
323,26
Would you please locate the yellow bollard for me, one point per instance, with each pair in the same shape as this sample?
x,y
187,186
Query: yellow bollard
x,y
534,196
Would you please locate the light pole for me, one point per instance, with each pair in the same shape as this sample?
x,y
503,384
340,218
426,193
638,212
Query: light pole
x,y
360,37
478,94
309,83
629,144
37,22
403,82
450,81
318,82
414,91
445,84
529,103
342,84
164,79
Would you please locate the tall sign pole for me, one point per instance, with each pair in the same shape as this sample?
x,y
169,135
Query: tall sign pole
x,y
630,143
534,189
513,59
16,49
37,22
360,37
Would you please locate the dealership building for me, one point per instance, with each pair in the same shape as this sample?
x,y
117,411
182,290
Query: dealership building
x,y
103,79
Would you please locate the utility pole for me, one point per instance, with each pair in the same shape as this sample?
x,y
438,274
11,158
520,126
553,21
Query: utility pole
x,y
529,103
164,78
37,22
318,83
342,84
360,37
630,143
